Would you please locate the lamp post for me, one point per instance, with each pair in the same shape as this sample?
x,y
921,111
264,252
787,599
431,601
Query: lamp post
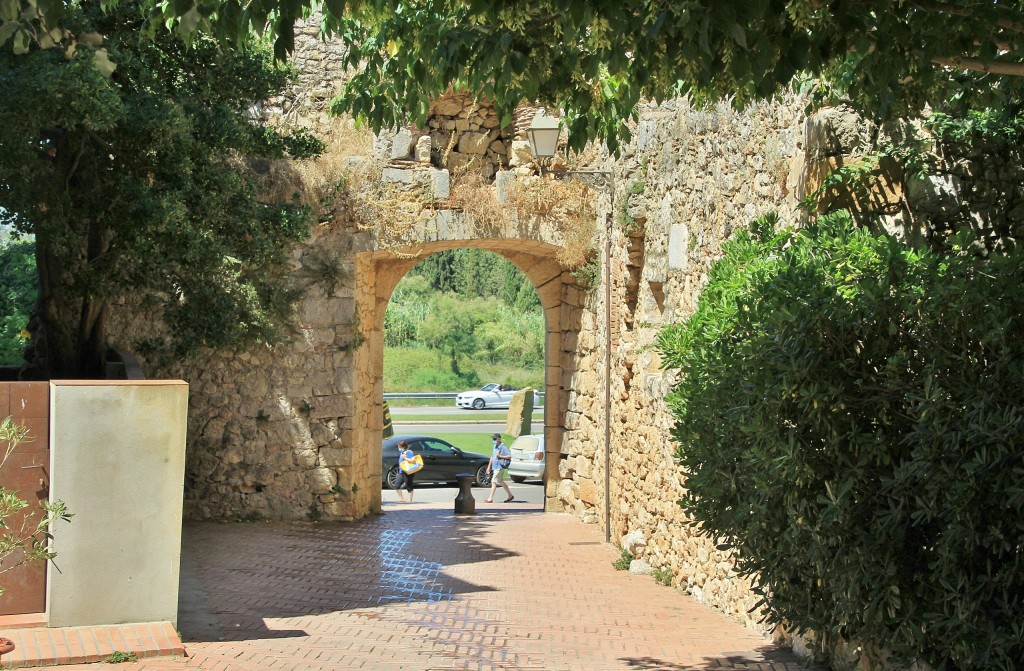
x,y
543,135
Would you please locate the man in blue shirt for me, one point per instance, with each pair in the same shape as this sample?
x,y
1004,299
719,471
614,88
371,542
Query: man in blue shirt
x,y
501,457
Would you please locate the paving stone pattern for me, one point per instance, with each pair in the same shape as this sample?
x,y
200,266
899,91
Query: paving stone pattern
x,y
422,589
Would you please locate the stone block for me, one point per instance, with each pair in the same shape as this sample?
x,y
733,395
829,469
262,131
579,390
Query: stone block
x,y
399,176
474,144
401,144
640,567
588,492
678,246
448,106
423,146
335,457
331,406
520,153
440,184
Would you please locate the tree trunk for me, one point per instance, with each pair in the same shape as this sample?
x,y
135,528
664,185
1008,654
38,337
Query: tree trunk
x,y
69,325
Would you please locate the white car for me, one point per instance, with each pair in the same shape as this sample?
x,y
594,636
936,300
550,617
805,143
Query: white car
x,y
527,458
491,395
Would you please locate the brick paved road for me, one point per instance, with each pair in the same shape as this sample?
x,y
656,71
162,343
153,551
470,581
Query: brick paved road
x,y
421,589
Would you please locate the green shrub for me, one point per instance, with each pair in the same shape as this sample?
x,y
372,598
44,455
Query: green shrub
x,y
625,559
662,576
850,423
431,379
17,295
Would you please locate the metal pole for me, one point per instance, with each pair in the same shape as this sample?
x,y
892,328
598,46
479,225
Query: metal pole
x,y
608,375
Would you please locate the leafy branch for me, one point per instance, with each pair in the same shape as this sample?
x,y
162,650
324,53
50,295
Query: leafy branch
x,y
32,540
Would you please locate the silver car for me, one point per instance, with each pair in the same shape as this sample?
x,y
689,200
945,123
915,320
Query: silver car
x,y
491,395
527,458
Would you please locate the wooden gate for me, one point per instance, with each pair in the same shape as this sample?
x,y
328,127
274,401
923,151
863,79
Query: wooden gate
x,y
26,472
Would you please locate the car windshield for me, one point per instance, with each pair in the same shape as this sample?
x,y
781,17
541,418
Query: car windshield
x,y
489,387
527,443
435,446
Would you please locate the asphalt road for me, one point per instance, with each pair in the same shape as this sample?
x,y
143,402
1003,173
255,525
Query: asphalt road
x,y
531,491
453,427
461,413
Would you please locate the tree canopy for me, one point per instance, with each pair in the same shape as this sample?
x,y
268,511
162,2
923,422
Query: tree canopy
x,y
594,60
135,184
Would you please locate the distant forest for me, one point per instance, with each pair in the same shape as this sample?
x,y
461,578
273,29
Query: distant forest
x,y
460,317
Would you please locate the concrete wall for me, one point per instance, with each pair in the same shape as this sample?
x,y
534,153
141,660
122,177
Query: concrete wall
x,y
117,461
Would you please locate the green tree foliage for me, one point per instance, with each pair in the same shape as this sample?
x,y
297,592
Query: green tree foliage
x,y
850,423
409,306
477,273
134,184
450,327
596,60
508,323
17,295
514,337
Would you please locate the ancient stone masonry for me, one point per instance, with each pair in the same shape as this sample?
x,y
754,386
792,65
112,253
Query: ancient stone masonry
x,y
688,179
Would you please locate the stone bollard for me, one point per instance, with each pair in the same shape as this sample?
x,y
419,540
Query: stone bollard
x,y
465,504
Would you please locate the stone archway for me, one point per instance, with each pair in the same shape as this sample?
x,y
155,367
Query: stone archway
x,y
378,274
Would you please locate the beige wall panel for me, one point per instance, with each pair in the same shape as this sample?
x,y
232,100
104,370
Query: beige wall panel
x,y
118,460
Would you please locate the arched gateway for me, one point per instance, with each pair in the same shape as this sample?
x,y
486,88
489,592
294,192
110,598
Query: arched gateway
x,y
561,297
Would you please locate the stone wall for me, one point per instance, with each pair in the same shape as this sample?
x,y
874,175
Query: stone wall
x,y
686,181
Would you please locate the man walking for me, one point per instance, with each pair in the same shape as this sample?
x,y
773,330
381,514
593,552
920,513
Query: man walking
x,y
501,457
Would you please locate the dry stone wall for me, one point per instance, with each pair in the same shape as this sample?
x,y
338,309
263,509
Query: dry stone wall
x,y
685,182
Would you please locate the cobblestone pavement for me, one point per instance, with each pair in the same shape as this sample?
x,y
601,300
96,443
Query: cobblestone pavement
x,y
422,589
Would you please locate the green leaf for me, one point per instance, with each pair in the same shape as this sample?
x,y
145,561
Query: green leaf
x,y
22,41
101,61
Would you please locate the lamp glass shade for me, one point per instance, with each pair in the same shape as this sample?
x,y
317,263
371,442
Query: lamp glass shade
x,y
543,133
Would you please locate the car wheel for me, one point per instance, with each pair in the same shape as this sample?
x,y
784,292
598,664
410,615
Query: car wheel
x,y
483,478
478,404
518,478
393,475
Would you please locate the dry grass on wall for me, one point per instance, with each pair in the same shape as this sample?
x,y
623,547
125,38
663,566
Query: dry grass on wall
x,y
343,187
568,208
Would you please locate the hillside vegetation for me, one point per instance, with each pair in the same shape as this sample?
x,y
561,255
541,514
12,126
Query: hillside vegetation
x,y
461,318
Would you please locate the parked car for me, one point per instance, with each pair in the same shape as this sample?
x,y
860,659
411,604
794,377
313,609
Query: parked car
x,y
491,395
442,461
527,458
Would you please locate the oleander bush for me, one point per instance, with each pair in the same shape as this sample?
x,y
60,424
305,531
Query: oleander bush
x,y
25,534
850,423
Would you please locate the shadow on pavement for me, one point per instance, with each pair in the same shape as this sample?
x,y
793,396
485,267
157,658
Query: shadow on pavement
x,y
235,575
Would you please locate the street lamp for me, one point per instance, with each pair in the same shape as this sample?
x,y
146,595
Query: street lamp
x,y
543,134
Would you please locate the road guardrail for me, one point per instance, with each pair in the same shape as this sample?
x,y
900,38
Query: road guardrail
x,y
393,395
